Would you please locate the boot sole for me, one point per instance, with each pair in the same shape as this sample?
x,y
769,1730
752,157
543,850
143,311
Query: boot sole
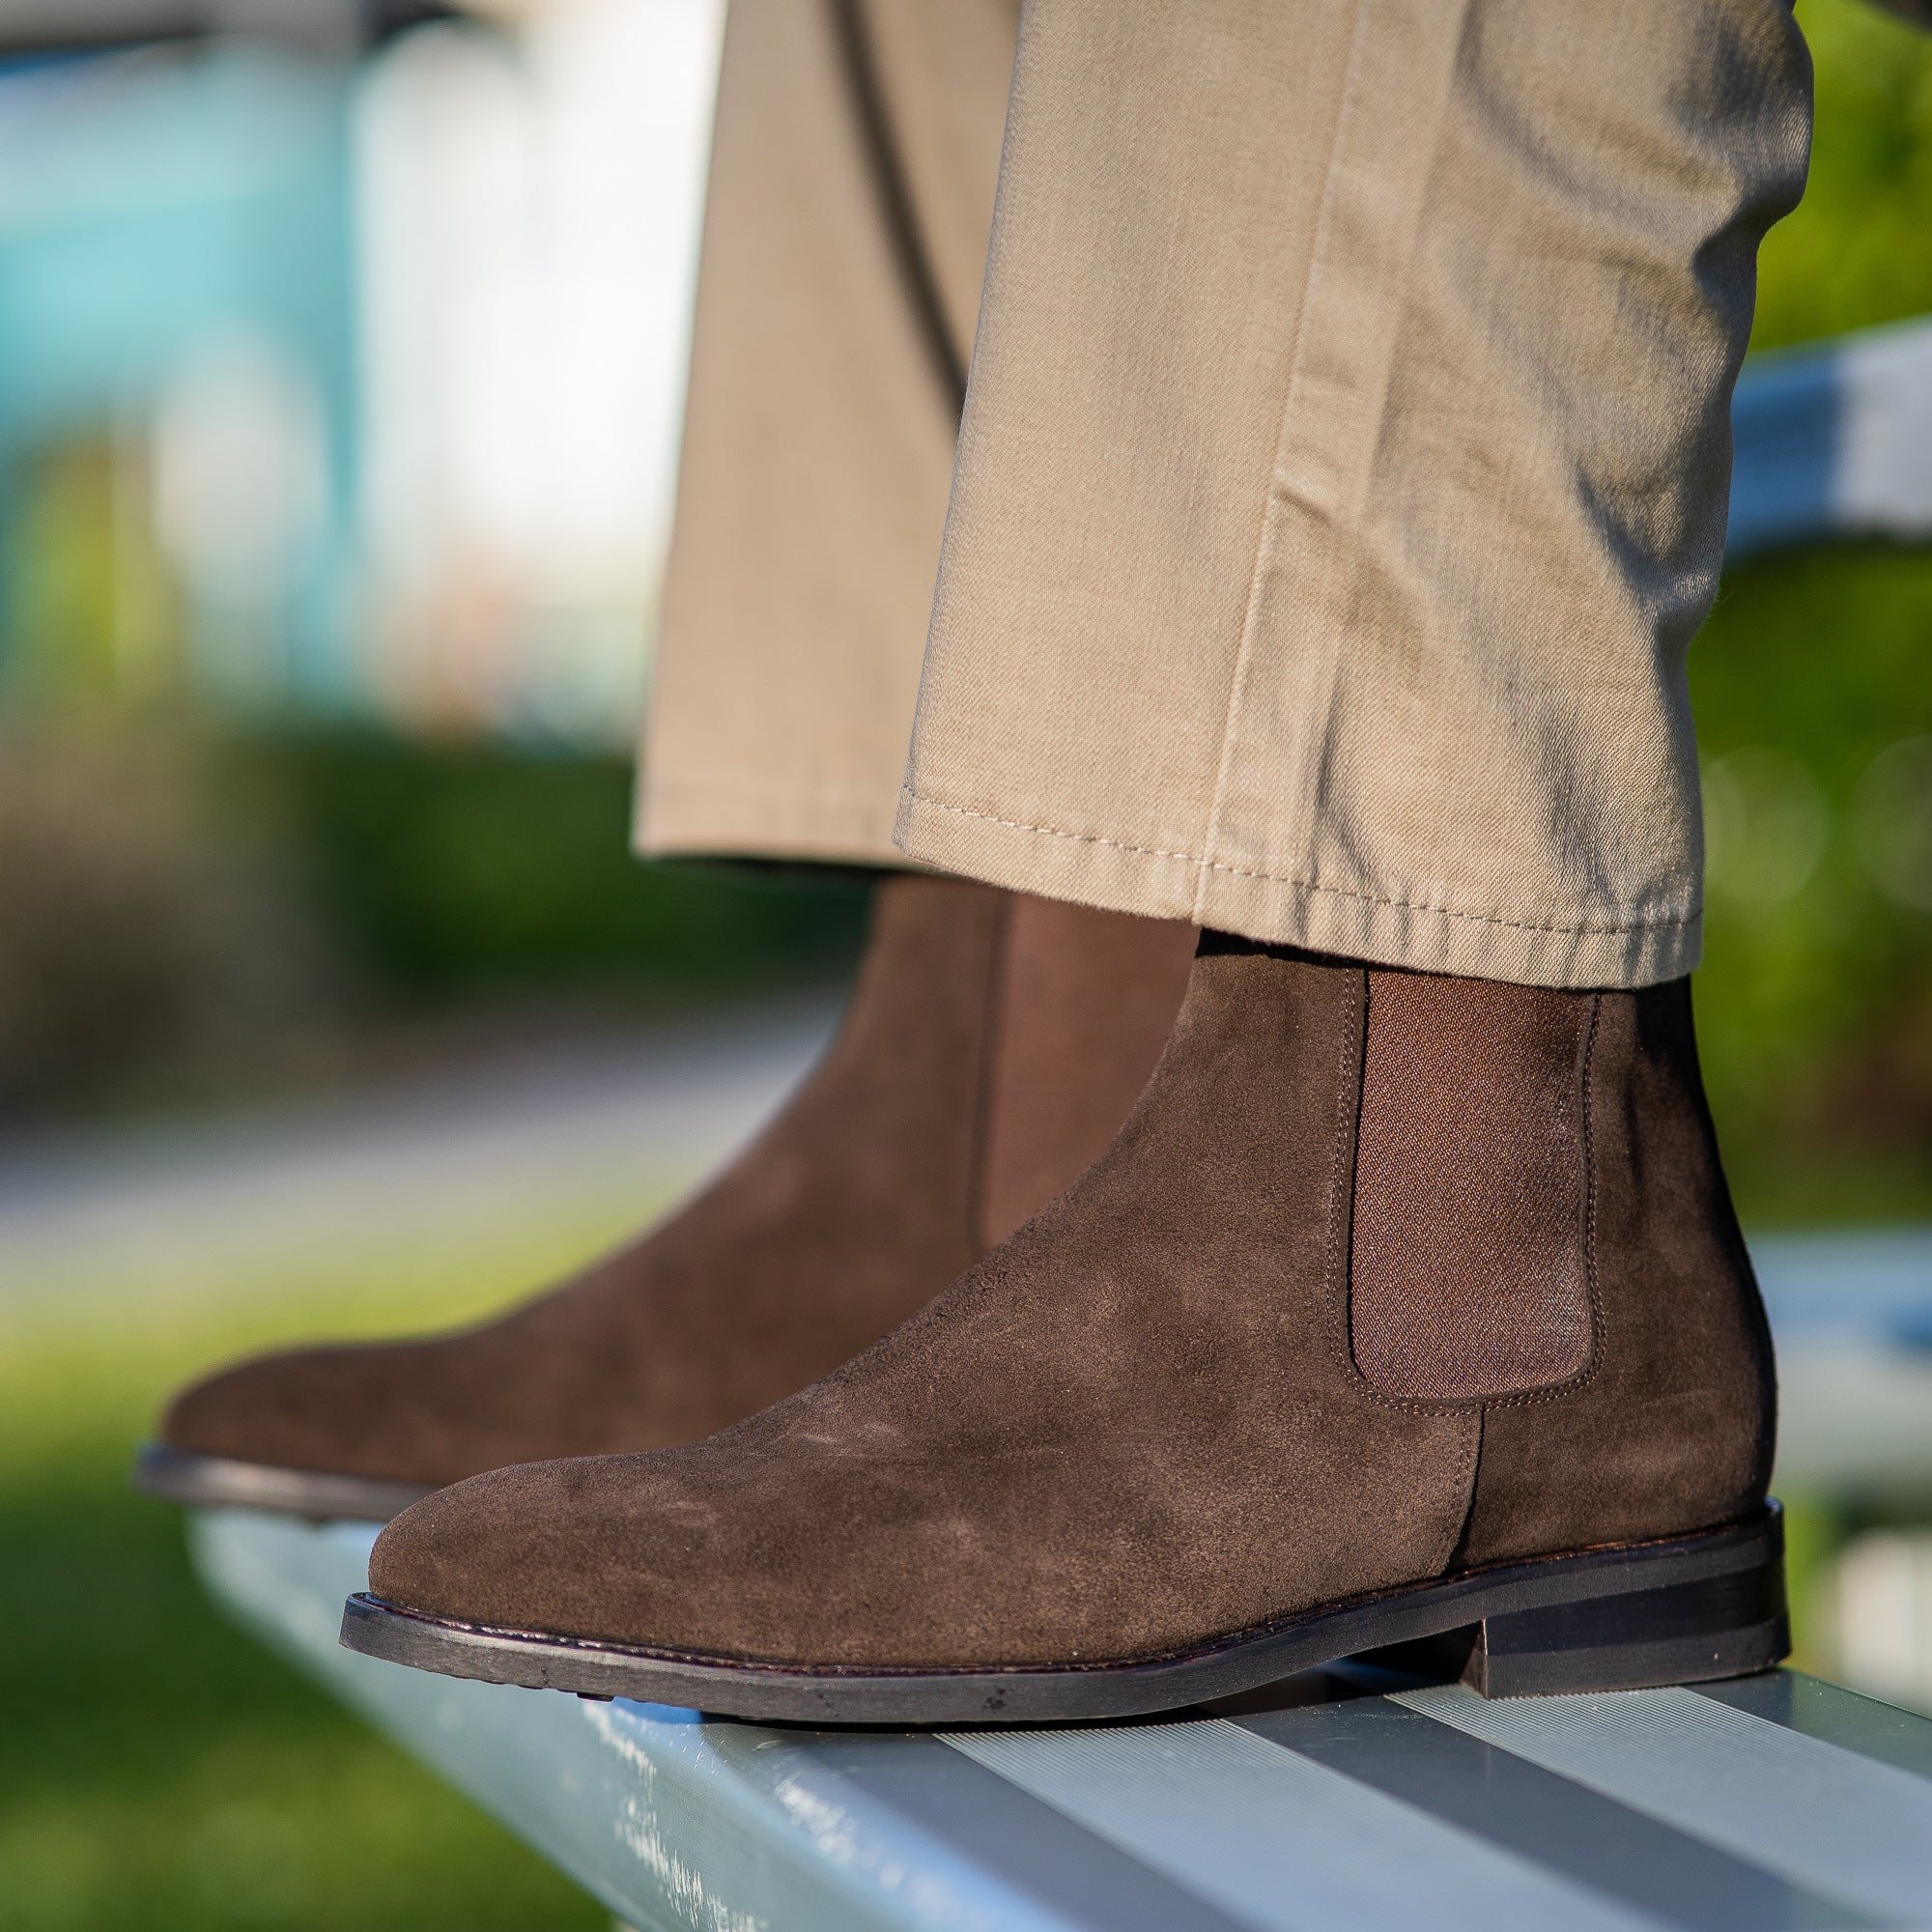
x,y
222,1481
1623,1617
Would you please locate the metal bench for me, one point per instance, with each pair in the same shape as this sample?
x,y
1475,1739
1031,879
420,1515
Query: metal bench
x,y
1834,440
1348,1798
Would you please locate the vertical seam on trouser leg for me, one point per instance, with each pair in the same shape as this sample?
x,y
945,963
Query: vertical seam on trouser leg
x,y
1264,537
1302,468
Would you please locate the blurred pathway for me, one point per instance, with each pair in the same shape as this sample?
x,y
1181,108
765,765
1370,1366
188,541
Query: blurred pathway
x,y
556,1133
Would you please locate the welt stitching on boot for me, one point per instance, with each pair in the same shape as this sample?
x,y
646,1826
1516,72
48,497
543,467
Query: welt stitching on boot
x,y
1467,1276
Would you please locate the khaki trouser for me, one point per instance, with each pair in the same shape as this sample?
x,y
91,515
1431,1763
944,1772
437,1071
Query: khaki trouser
x,y
1342,476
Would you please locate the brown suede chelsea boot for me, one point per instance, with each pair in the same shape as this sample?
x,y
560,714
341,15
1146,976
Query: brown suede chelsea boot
x,y
993,1045
1401,1308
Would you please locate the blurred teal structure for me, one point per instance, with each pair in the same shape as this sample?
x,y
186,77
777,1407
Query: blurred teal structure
x,y
157,205
346,376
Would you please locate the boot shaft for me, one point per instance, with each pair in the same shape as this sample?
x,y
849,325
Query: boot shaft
x,y
1529,1224
994,1044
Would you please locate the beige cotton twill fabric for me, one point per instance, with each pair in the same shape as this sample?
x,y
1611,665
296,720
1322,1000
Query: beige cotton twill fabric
x,y
819,428
1344,470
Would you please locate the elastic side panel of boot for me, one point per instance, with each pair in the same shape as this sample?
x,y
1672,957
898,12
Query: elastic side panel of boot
x,y
1467,1276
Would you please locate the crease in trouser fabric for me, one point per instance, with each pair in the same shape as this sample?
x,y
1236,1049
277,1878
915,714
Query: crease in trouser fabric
x,y
818,436
1338,383
871,116
1447,301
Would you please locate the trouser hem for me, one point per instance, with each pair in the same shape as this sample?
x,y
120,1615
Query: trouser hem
x,y
1392,929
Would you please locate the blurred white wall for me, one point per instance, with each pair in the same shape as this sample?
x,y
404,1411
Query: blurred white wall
x,y
1881,1609
239,489
528,207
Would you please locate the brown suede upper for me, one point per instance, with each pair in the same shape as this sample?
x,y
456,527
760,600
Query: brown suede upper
x,y
1137,1424
860,1201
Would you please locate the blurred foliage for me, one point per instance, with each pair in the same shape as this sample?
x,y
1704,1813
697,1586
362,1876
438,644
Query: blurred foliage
x,y
187,913
449,869
87,605
135,929
1812,685
1856,252
1813,692
1815,1533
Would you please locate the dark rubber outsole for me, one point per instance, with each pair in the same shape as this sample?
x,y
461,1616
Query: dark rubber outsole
x,y
1680,1610
220,1482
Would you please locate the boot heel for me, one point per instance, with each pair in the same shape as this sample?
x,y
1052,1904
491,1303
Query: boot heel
x,y
1682,1634
1687,1631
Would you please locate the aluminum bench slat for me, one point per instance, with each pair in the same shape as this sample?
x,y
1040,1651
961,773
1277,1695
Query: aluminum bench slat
x,y
1334,1806
1835,439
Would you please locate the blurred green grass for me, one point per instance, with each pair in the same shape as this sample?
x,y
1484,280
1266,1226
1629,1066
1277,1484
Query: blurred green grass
x,y
161,1773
